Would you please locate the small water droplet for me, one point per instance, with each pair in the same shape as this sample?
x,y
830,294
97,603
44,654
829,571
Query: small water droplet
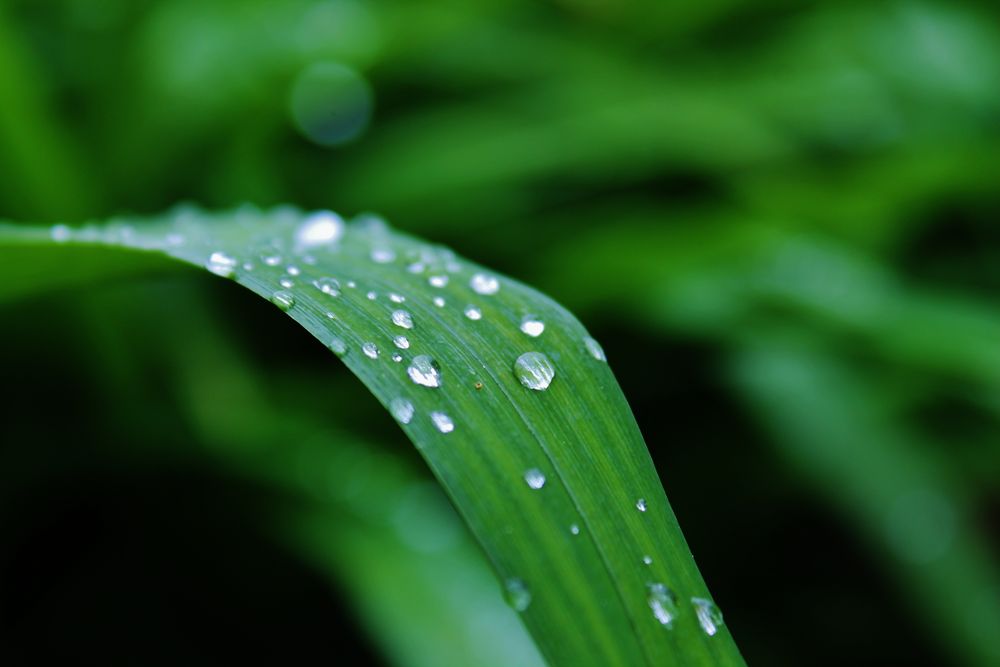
x,y
221,264
397,298
532,326
402,342
293,270
424,371
331,315
484,284
442,422
319,228
417,267
270,259
351,284
534,371
383,255
402,318
370,350
402,410
595,349
248,266
372,295
337,346
663,603
438,281
647,560
283,299
329,286
709,616
473,313
534,478
640,504
439,301
574,529
397,357
517,594
287,283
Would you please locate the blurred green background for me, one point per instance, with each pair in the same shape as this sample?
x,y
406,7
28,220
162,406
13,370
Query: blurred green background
x,y
779,217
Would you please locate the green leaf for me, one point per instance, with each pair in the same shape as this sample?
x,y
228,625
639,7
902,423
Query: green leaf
x,y
542,458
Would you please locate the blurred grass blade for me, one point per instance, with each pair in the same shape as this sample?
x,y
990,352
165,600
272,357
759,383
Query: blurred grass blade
x,y
503,392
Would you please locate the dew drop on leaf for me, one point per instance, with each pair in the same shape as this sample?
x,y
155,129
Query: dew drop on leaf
x,y
647,560
402,342
383,255
663,603
318,229
221,264
709,615
534,371
402,318
397,298
438,281
424,371
595,349
283,299
534,478
439,301
517,594
532,326
370,350
640,504
397,357
337,346
287,283
473,313
329,286
442,422
484,284
574,529
402,410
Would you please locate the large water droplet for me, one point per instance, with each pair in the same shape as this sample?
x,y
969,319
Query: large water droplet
x,y
534,371
283,300
442,422
402,318
424,371
709,616
640,504
402,410
473,313
221,264
594,348
329,286
534,478
532,326
402,342
319,228
517,594
663,602
370,350
484,284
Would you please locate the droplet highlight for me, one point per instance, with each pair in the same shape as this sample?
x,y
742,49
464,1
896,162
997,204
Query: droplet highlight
x,y
424,371
532,326
534,478
534,371
484,284
370,350
221,264
402,318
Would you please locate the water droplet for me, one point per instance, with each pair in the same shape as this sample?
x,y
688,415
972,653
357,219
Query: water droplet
x,y
248,266
329,286
370,350
473,313
221,264
534,370
402,410
397,357
287,283
574,529
439,301
595,349
270,259
293,270
383,255
402,342
663,602
484,284
640,504
647,560
372,295
337,346
401,318
397,298
517,594
424,371
534,478
532,326
438,281
417,267
442,422
351,284
709,616
319,228
331,315
283,299
60,233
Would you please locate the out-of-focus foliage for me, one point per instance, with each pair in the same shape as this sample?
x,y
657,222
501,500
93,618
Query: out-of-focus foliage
x,y
780,215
